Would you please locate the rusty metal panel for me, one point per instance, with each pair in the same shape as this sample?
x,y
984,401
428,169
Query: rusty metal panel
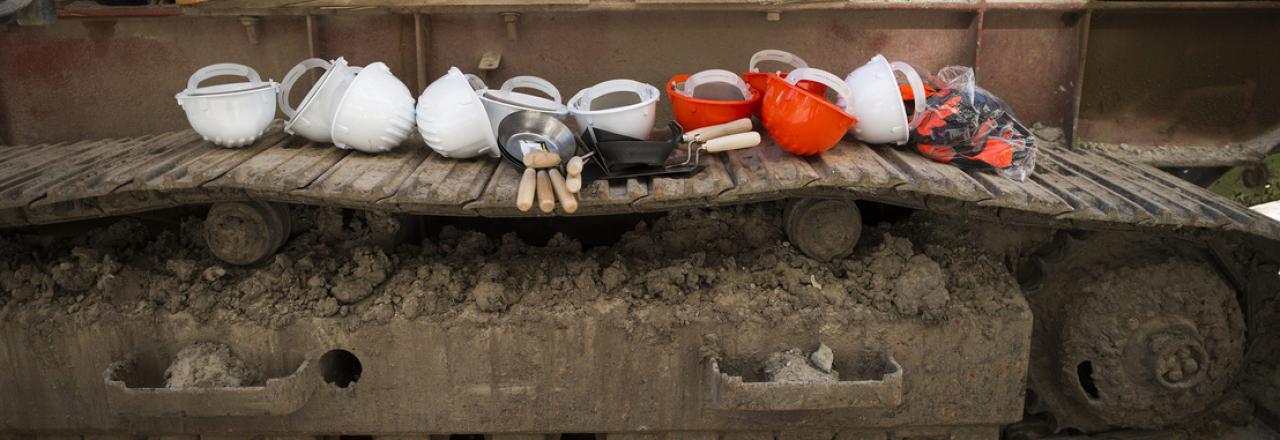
x,y
1170,78
98,78
1029,59
363,39
590,47
130,68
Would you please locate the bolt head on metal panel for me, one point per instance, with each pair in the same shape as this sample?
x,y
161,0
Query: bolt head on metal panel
x,y
490,61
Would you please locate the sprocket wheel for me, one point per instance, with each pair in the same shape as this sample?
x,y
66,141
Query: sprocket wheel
x,y
1128,334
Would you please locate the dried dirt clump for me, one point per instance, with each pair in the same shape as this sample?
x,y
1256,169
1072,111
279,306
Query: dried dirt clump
x,y
792,366
208,365
726,265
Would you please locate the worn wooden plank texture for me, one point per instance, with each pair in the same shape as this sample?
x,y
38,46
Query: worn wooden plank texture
x,y
854,165
190,171
499,194
932,178
695,190
1241,218
281,169
612,196
38,157
1091,201
12,153
109,175
1023,196
764,172
1194,212
59,182
361,179
16,171
157,180
1161,211
24,187
81,196
441,185
162,176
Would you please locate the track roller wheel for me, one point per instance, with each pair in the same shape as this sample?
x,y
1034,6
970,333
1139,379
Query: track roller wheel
x,y
823,228
246,233
1129,334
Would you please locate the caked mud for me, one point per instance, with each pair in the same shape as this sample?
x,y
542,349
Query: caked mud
x,y
208,365
729,266
794,366
695,265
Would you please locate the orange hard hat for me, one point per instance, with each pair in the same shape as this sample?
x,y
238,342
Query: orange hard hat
x,y
800,121
693,113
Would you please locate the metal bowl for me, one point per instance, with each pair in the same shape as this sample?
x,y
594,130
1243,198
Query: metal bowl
x,y
528,130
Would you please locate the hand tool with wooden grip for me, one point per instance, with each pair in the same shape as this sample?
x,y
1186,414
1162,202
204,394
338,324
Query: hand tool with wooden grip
x,y
541,159
739,126
567,202
546,199
524,192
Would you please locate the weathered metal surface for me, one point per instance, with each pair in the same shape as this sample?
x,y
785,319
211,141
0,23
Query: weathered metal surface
x,y
1138,91
285,7
132,97
592,373
1157,83
83,79
1173,88
728,392
1028,59
94,179
292,7
1211,154
278,396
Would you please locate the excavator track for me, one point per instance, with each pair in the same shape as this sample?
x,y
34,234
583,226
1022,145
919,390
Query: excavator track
x,y
598,369
42,184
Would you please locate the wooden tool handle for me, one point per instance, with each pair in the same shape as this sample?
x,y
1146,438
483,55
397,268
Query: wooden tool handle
x,y
574,167
524,192
734,142
574,183
705,133
546,199
541,159
567,202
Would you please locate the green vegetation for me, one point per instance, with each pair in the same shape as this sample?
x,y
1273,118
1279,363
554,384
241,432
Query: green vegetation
x,y
1232,184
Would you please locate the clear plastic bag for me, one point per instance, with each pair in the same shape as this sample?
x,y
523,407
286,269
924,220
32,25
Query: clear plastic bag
x,y
969,127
